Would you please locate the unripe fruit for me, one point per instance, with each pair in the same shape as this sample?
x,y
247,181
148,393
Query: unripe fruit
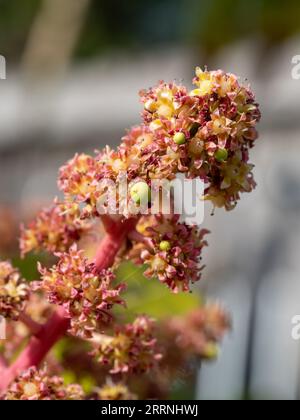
x,y
95,282
179,138
140,192
221,155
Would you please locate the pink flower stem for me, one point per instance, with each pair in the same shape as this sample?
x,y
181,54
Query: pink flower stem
x,y
3,362
112,242
57,326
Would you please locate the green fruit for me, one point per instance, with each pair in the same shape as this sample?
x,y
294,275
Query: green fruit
x,y
179,138
221,155
140,193
165,246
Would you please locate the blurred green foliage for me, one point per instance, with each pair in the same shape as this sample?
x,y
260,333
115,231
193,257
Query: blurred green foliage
x,y
223,21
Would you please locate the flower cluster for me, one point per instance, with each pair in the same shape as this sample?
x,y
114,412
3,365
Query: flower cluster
x,y
208,130
35,384
205,133
86,294
53,230
114,392
14,291
199,333
39,310
132,350
171,250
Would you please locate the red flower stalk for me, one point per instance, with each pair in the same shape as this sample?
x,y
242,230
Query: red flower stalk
x,y
86,293
59,323
205,133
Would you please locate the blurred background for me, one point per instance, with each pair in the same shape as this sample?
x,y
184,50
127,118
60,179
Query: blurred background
x,y
73,72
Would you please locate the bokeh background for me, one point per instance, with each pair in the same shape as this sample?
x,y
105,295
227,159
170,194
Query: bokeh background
x,y
74,68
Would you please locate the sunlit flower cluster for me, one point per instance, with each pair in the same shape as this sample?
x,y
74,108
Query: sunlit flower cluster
x,y
36,384
14,291
205,133
53,230
212,127
86,294
132,349
171,250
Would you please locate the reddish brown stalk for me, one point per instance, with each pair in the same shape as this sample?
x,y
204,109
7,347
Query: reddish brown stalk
x,y
3,362
40,344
